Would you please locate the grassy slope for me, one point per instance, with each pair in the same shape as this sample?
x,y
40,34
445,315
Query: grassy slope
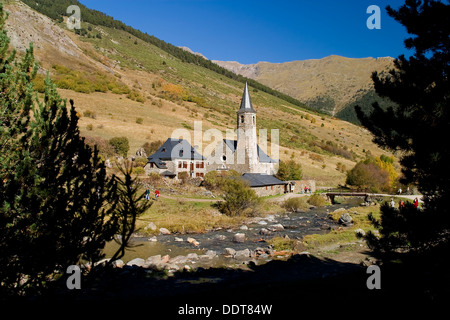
x,y
141,65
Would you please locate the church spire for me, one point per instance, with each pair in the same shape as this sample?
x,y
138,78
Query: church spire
x,y
246,102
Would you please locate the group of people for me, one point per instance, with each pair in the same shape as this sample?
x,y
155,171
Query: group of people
x,y
401,204
147,194
305,190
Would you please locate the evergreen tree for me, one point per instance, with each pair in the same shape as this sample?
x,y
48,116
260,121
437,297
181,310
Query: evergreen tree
x,y
416,127
57,204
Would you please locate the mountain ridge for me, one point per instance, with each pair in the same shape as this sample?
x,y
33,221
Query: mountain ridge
x,y
328,84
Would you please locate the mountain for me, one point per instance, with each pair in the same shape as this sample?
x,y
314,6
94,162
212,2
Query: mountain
x,y
127,83
330,84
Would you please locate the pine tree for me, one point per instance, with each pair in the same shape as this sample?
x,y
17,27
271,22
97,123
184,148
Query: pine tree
x,y
58,206
417,128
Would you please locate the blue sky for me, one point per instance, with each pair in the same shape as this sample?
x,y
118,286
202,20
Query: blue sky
x,y
276,31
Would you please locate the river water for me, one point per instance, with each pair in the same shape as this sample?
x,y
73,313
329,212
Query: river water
x,y
296,225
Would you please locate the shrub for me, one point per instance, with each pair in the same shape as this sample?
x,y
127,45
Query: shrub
x,y
139,120
367,175
121,145
317,200
214,180
295,204
183,176
239,198
152,147
289,170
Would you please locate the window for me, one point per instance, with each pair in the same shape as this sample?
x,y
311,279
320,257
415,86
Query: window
x,y
163,150
224,158
254,119
271,187
179,164
242,119
184,164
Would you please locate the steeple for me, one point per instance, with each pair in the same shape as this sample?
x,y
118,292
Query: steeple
x,y
246,102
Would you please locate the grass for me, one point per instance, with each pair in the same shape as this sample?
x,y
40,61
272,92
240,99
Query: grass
x,y
344,235
179,216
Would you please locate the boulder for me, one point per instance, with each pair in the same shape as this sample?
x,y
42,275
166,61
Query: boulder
x,y
242,254
150,226
136,262
243,227
229,251
165,259
265,232
360,232
220,237
262,223
177,239
118,263
239,237
153,239
211,253
276,227
178,260
164,231
153,261
192,256
345,219
193,242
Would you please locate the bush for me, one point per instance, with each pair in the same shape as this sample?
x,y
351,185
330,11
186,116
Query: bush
x,y
139,120
317,200
240,199
367,175
152,147
289,170
214,180
183,176
121,145
295,204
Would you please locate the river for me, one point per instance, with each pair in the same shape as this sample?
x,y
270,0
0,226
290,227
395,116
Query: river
x,y
295,226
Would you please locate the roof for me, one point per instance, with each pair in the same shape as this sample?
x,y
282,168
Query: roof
x,y
246,102
175,149
167,173
262,180
263,157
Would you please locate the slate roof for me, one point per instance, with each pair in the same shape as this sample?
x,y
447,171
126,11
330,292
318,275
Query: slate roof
x,y
263,157
262,180
174,149
246,102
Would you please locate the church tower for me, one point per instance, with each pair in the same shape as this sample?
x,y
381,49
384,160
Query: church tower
x,y
246,149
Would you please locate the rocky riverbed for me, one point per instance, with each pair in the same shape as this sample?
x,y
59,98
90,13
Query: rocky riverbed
x,y
226,247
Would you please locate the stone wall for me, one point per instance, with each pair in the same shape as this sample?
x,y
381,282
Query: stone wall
x,y
269,190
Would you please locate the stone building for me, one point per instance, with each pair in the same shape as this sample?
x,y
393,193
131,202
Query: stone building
x,y
244,154
176,156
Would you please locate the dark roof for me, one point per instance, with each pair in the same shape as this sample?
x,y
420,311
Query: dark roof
x,y
246,102
175,149
263,157
262,180
167,173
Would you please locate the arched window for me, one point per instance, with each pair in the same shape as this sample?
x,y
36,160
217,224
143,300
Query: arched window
x,y
242,119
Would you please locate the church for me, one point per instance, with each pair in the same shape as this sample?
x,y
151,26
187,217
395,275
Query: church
x,y
243,155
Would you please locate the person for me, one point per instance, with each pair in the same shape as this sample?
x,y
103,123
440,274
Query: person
x,y
156,194
400,191
306,189
392,203
147,194
401,205
416,203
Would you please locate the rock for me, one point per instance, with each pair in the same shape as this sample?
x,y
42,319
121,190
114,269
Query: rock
x,y
178,260
150,226
211,253
153,261
229,251
178,239
262,223
141,153
165,259
345,219
276,227
243,227
118,263
242,254
270,218
193,242
192,256
164,231
239,237
265,232
220,237
136,262
360,232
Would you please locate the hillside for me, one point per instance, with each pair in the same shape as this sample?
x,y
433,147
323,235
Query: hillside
x,y
125,86
330,84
